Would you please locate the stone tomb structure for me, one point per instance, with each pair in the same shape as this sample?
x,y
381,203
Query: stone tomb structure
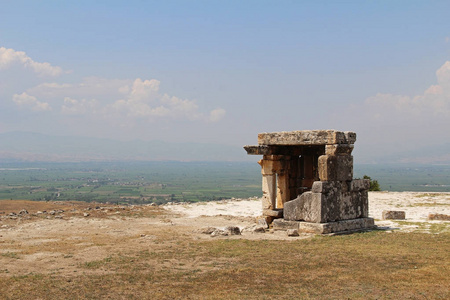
x,y
307,181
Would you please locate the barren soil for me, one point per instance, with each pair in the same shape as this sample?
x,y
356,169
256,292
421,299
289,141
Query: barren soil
x,y
61,237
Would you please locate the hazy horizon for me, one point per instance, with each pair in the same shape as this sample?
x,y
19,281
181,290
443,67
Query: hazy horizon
x,y
219,73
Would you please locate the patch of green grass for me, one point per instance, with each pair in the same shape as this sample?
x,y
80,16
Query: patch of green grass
x,y
428,204
440,227
11,255
96,264
431,195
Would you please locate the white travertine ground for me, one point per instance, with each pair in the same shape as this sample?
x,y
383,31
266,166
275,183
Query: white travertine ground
x,y
417,206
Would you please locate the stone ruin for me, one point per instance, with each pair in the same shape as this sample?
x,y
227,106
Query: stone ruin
x,y
307,181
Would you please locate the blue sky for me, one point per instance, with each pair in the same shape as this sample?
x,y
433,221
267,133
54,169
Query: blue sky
x,y
222,71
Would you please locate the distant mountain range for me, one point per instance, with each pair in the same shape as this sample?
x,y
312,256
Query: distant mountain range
x,y
27,146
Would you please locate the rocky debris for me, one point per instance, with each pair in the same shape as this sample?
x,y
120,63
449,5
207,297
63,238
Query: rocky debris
x,y
263,223
213,231
219,232
281,224
233,230
206,230
259,229
255,229
393,215
86,214
292,232
438,217
23,212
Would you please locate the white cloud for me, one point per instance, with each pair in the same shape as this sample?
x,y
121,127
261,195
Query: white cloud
x,y
10,56
217,114
30,102
121,101
435,101
143,100
77,107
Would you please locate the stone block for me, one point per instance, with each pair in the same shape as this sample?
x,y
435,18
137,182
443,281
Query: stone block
x,y
352,225
335,168
335,205
233,230
293,210
350,137
344,169
292,232
359,185
339,149
327,165
263,223
306,137
393,215
314,207
257,150
439,217
281,224
277,213
326,187
306,207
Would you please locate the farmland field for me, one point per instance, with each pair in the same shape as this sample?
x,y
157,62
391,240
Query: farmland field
x,y
161,182
129,182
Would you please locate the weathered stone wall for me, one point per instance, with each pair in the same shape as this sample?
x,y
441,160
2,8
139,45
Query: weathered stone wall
x,y
330,202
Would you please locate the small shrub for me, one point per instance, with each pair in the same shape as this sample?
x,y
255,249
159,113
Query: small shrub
x,y
374,185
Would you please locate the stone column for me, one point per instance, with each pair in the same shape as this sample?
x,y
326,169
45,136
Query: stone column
x,y
268,183
282,169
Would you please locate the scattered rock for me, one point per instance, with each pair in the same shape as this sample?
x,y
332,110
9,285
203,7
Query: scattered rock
x,y
233,230
263,222
438,217
393,215
207,230
219,232
23,212
86,214
292,232
259,229
254,229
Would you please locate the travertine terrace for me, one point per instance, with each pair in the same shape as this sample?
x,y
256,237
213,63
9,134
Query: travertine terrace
x,y
307,181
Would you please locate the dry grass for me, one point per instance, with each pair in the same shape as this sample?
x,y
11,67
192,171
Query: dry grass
x,y
367,265
176,264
